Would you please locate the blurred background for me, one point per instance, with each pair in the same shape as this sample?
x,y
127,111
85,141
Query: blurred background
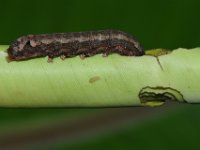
x,y
166,24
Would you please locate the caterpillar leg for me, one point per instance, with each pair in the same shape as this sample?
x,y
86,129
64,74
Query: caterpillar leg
x,y
82,56
62,57
50,59
104,54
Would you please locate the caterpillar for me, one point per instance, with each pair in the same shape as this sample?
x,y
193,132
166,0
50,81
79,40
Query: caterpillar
x,y
71,44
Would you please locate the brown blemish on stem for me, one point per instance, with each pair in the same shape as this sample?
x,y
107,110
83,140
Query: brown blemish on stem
x,y
94,79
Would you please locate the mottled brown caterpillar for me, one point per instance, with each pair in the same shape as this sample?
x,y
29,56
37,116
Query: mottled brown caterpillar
x,y
74,43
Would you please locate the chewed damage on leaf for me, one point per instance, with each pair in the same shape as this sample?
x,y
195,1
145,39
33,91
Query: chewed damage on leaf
x,y
155,96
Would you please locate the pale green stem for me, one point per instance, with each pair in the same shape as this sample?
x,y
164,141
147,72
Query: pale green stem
x,y
101,81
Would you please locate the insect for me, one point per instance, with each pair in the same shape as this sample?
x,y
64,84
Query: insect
x,y
71,44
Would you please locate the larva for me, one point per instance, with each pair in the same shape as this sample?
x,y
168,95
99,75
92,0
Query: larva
x,y
74,43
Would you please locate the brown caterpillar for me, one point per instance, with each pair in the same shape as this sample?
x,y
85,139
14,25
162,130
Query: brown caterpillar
x,y
74,43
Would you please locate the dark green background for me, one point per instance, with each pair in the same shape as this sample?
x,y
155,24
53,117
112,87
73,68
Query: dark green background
x,y
155,23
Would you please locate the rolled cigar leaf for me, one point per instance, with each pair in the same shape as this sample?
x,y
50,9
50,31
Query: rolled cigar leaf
x,y
96,81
